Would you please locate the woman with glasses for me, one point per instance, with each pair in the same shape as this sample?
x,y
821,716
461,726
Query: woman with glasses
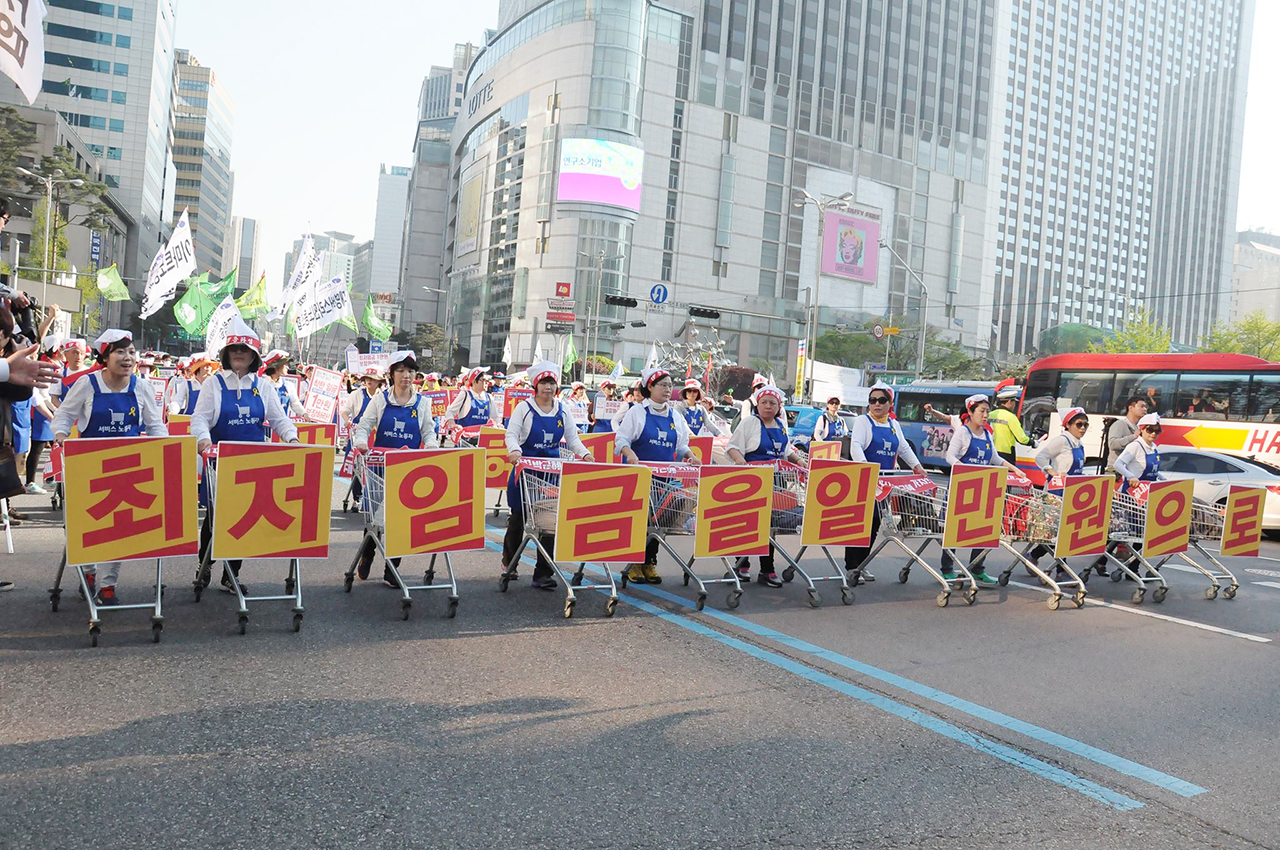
x,y
1064,455
876,438
1140,461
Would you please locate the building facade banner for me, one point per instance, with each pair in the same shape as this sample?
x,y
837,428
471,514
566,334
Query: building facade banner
x,y
851,244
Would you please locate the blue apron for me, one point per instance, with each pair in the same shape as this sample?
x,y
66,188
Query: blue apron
x,y
479,412
193,395
243,418
1151,471
657,442
114,414
283,392
773,444
1077,467
603,425
399,427
836,429
696,417
545,433
884,445
20,422
980,451
41,428
355,420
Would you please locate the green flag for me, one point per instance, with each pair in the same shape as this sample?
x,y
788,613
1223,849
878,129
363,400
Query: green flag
x,y
570,355
253,303
216,290
377,328
111,286
193,310
349,321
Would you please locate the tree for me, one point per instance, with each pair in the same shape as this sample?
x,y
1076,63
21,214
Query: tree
x,y
427,337
943,358
1141,334
16,135
1254,334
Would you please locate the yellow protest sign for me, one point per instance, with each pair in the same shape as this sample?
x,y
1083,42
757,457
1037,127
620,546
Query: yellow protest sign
x,y
601,446
975,507
313,433
824,449
1242,523
496,466
179,425
603,513
434,501
272,501
733,511
839,503
701,448
130,498
1086,516
1168,525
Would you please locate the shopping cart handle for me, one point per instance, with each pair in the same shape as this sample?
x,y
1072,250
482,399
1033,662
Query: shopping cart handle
x,y
210,453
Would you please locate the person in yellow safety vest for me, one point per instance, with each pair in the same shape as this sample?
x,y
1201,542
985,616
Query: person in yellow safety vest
x,y
1005,427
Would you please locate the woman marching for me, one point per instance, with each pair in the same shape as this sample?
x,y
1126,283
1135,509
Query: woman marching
x,y
1140,461
876,438
186,391
352,410
111,402
236,406
535,430
830,425
398,418
273,367
652,431
695,414
762,436
471,407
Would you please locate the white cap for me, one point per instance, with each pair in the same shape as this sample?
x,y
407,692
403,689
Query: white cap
x,y
881,385
759,380
652,374
51,342
1070,414
110,336
75,343
239,333
975,399
1149,419
771,390
542,369
275,355
400,357
474,373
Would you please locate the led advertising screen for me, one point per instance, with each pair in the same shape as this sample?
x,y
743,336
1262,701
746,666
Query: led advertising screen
x,y
469,199
851,244
599,172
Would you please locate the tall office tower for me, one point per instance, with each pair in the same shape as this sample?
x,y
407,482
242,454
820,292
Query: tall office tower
x,y
1122,138
241,251
202,116
427,202
658,151
109,73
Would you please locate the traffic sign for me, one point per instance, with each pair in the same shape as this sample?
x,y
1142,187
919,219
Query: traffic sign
x,y
375,346
874,367
878,332
893,331
559,316
554,328
659,293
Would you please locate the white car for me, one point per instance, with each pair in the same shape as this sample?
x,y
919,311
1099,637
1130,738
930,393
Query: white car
x,y
1214,473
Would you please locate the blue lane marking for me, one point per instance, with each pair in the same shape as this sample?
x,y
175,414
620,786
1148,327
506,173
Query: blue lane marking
x,y
1005,753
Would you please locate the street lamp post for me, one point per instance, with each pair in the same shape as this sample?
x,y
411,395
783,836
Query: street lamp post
x,y
594,315
840,202
924,305
50,232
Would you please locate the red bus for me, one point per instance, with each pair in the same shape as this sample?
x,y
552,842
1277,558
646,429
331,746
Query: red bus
x,y
1228,403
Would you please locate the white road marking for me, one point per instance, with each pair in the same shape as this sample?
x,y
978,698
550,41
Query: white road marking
x,y
1176,620
1275,584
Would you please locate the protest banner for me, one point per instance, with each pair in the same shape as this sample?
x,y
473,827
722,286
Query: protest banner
x,y
602,513
272,501
733,511
1086,516
839,503
975,507
1168,527
1242,521
434,501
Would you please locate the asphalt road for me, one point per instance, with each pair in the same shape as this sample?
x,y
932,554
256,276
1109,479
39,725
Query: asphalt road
x,y
887,723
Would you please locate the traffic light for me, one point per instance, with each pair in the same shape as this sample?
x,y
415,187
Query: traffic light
x,y
620,301
704,313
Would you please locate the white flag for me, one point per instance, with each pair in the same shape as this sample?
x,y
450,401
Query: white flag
x,y
653,357
173,263
302,271
507,359
22,40
219,325
321,306
537,352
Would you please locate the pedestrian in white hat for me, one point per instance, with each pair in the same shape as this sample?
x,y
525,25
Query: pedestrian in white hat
x,y
273,369
695,415
472,405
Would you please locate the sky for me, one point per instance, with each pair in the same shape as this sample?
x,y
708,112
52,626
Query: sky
x,y
322,98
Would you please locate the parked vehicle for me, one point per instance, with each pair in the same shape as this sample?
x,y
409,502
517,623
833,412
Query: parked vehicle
x,y
1214,474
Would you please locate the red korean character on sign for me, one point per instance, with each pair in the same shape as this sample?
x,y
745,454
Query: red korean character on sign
x,y
602,513
839,502
272,501
975,507
1242,522
1168,518
733,511
452,518
1086,516
118,486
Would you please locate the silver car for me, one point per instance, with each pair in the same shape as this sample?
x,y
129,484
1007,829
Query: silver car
x,y
1214,473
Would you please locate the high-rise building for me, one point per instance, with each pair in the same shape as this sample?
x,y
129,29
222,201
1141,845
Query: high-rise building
x,y
388,228
109,73
342,255
241,251
592,155
1120,167
1257,276
202,120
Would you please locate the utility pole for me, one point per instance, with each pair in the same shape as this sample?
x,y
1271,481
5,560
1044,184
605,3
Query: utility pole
x,y
840,202
924,306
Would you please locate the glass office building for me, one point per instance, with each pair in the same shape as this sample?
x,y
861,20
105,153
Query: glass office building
x,y
202,121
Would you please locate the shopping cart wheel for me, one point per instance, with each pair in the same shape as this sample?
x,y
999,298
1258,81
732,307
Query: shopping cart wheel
x,y
244,623
1230,592
156,629
611,606
789,573
452,610
405,605
1117,574
1078,599
568,608
902,576
1139,595
297,621
970,596
1211,592
735,596
815,600
503,582
686,579
702,601
54,596
289,585
94,631
1159,594
846,595
1003,579
347,581
943,598
1054,601
576,581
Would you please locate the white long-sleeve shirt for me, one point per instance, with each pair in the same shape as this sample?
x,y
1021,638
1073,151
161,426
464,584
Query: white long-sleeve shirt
x,y
209,405
179,391
961,438
351,402
378,405
860,438
820,427
1133,460
461,406
709,427
295,406
522,423
746,437
1057,453
77,407
632,426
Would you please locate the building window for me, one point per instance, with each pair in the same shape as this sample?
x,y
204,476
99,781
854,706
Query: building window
x,y
117,125
80,34
80,63
117,97
114,153
123,41
125,13
112,180
122,70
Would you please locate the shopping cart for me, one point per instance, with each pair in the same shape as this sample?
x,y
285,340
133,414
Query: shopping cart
x,y
95,611
786,518
1128,526
204,570
673,504
539,480
1207,523
1031,518
469,438
914,508
372,469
